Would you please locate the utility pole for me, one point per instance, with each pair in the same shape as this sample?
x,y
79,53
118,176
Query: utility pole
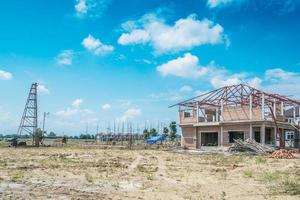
x,y
44,121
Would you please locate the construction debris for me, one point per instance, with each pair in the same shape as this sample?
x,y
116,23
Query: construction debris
x,y
250,146
283,154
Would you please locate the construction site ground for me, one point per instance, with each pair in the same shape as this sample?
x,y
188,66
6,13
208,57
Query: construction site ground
x,y
95,172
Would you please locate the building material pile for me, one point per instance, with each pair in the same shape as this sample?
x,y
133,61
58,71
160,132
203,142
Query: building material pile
x,y
283,154
250,146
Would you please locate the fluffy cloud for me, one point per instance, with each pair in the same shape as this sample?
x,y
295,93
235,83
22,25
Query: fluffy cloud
x,y
186,67
255,82
66,113
130,114
218,82
278,73
91,8
65,57
134,37
185,34
215,3
96,46
4,75
106,106
186,88
74,111
43,89
81,7
282,82
77,102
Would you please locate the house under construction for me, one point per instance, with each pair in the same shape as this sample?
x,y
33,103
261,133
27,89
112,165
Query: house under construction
x,y
219,117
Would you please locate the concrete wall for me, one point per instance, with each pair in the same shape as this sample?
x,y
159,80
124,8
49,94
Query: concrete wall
x,y
186,120
235,113
191,136
189,139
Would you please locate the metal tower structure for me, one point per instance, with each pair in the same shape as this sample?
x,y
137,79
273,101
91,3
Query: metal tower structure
x,y
29,120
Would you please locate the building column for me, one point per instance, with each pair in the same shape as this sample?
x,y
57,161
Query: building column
x,y
251,132
281,108
222,140
274,108
222,110
250,107
294,114
263,134
263,106
275,135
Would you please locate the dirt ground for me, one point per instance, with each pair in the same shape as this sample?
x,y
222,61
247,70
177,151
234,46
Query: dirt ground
x,y
95,173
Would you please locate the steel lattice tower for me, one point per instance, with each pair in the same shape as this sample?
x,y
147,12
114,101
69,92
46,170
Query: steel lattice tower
x,y
29,119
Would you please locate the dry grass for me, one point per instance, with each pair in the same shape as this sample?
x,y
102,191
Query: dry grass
x,y
94,173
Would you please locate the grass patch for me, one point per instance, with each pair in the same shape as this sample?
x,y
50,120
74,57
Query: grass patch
x,y
17,176
260,160
88,177
281,183
249,173
147,168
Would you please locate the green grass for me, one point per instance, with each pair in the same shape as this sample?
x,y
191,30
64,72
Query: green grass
x,y
260,160
249,173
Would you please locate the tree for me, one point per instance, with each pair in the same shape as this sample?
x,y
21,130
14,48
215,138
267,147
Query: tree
x,y
37,137
173,130
85,136
153,132
52,134
146,133
166,131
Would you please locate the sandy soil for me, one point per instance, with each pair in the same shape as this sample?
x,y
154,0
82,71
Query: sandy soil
x,y
84,173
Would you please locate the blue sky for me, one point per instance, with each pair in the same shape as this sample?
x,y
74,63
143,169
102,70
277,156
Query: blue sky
x,y
99,61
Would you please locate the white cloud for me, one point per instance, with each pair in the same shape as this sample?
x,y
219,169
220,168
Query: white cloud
x,y
186,88
91,8
74,112
137,36
255,82
96,46
185,67
278,73
65,57
215,3
282,82
81,7
185,34
106,106
66,113
43,89
4,75
130,114
77,102
218,82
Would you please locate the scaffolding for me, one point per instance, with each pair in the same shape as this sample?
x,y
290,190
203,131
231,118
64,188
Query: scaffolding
x,y
29,120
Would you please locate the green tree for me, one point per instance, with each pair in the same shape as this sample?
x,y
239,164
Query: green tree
x,y
146,133
166,131
173,130
153,132
52,134
37,137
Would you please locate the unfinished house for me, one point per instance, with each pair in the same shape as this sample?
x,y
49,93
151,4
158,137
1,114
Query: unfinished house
x,y
219,117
